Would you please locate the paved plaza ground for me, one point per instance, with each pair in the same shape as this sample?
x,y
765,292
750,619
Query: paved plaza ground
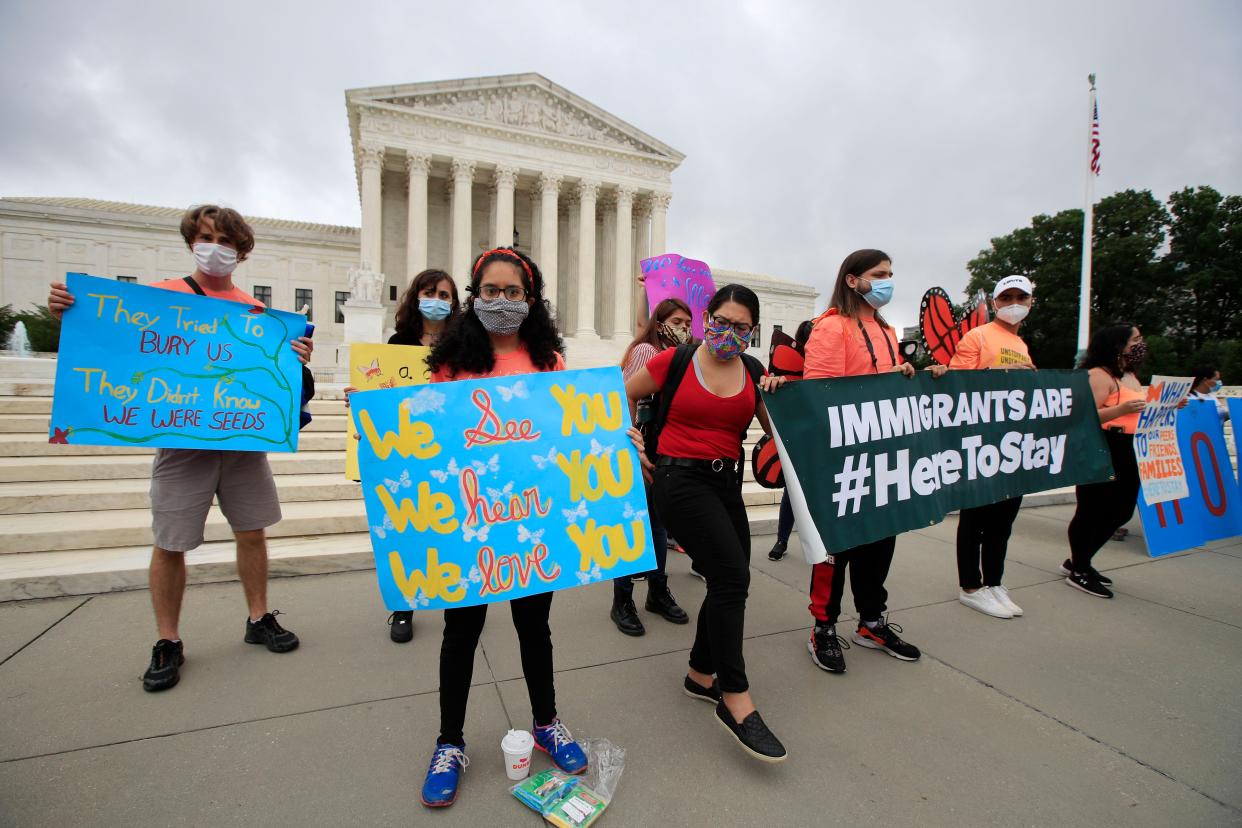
x,y
1083,712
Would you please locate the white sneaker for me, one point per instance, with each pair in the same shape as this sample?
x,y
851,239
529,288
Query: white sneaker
x,y
983,601
1001,594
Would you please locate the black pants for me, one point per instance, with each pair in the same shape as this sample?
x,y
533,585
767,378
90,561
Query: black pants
x,y
784,519
462,628
868,565
1103,508
657,579
983,537
704,509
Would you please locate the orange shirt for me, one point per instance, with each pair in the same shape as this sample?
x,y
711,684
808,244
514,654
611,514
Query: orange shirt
x,y
514,362
989,346
1127,422
235,294
837,348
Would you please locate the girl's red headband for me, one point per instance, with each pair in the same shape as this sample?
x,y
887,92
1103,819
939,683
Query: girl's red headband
x,y
508,254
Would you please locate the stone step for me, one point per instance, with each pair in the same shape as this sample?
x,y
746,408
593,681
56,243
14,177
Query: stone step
x,y
128,466
132,527
43,405
37,446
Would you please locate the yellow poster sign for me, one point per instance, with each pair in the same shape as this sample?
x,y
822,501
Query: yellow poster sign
x,y
381,366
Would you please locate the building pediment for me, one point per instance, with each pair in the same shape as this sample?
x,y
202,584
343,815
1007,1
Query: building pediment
x,y
521,103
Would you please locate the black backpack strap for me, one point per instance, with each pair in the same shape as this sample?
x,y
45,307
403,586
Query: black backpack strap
x,y
189,280
756,372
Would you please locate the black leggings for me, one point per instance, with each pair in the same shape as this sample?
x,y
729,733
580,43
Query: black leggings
x,y
462,627
657,579
983,536
1103,508
704,510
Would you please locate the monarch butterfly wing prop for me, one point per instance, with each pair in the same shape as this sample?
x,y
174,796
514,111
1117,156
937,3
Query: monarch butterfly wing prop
x,y
978,316
940,331
766,463
786,358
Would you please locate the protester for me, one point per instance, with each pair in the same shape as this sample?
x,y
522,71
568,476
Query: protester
x,y
850,339
1112,356
785,517
668,327
505,329
184,481
983,532
1205,387
697,492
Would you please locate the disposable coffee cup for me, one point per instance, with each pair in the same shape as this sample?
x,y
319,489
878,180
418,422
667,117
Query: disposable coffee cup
x,y
517,746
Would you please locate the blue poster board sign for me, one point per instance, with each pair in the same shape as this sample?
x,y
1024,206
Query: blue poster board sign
x,y
142,366
488,490
1213,509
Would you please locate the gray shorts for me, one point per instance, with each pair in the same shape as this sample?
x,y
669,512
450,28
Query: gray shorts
x,y
184,481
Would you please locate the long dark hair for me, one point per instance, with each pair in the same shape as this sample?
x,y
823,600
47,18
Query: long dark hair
x,y
845,299
409,318
651,333
1107,345
465,347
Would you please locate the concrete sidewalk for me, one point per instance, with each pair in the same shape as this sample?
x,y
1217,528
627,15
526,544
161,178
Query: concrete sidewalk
x,y
1083,712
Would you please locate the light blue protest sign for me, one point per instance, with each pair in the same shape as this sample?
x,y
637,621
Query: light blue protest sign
x,y
1213,508
143,366
487,490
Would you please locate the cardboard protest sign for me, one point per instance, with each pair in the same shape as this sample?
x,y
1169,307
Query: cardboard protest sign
x,y
487,490
381,366
868,457
1212,509
670,275
1155,441
150,367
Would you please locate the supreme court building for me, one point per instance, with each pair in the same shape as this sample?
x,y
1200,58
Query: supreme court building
x,y
445,170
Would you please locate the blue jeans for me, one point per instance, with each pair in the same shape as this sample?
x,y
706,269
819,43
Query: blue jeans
x,y
623,588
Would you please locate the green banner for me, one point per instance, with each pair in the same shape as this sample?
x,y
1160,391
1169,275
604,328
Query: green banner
x,y
869,457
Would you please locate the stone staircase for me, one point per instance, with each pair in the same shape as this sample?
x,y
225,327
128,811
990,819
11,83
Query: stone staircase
x,y
75,519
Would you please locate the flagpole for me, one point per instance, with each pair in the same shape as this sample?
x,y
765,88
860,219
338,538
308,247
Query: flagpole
x,y
1088,224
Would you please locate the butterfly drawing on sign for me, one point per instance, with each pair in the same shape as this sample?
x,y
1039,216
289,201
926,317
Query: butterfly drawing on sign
x,y
542,461
941,329
631,514
525,535
579,511
371,371
448,471
476,577
384,528
587,577
402,482
597,449
497,494
469,533
419,600
492,465
518,389
391,382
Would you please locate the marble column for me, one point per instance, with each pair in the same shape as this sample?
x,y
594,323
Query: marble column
x,y
371,159
463,183
549,189
534,242
502,232
419,167
642,250
567,247
659,222
587,192
623,267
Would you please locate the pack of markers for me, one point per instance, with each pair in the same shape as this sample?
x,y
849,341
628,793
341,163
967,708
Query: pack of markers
x,y
561,799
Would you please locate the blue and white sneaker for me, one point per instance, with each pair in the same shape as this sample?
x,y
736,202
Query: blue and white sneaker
x,y
556,741
440,787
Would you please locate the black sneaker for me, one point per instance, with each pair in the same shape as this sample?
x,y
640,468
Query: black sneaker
x,y
778,550
268,632
697,691
401,626
662,603
1089,584
165,669
826,648
1067,568
753,735
625,616
883,636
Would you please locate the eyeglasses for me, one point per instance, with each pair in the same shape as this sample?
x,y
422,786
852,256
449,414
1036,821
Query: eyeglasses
x,y
741,328
514,293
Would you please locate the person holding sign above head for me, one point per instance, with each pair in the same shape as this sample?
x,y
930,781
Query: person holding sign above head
x,y
1111,359
505,329
709,394
851,339
668,327
185,481
983,532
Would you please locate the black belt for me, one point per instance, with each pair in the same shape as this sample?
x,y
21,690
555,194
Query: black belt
x,y
716,465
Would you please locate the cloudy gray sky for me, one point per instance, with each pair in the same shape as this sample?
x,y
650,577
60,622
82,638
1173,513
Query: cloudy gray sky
x,y
810,129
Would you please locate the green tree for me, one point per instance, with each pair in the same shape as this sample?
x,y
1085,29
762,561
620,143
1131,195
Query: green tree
x,y
1205,264
42,329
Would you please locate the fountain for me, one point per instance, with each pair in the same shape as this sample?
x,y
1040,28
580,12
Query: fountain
x,y
18,342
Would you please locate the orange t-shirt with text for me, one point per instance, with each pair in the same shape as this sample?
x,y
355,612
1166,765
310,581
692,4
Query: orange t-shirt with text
x,y
989,346
234,294
837,348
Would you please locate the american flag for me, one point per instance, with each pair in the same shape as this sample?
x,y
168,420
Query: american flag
x,y
1095,138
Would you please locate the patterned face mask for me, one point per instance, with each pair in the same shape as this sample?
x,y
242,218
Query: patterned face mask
x,y
501,316
725,343
678,335
1135,354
